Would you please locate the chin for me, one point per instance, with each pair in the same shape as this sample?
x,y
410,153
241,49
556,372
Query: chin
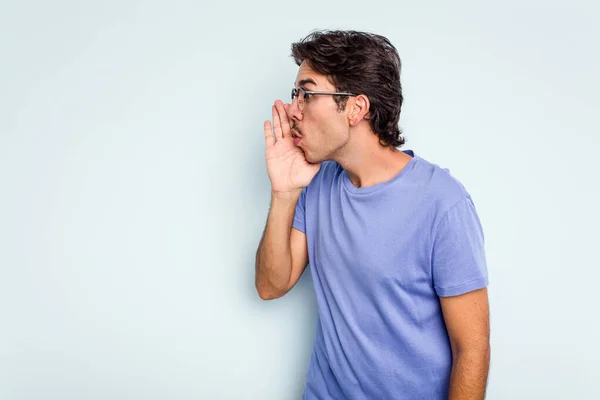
x,y
311,158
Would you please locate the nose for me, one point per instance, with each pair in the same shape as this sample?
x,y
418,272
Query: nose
x,y
293,111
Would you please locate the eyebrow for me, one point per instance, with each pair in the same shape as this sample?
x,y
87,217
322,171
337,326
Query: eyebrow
x,y
305,81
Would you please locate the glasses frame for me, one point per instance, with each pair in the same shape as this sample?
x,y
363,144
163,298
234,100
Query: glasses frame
x,y
308,93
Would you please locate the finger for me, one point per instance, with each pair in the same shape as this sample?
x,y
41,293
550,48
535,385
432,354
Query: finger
x,y
283,117
269,139
277,124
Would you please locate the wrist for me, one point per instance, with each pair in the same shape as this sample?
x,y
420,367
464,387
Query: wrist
x,y
291,195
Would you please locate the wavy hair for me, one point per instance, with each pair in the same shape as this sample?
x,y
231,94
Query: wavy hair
x,y
361,63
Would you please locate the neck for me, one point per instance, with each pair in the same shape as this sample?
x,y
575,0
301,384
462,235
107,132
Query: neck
x,y
368,163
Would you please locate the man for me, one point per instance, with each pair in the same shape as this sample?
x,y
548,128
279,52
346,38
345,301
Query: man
x,y
394,241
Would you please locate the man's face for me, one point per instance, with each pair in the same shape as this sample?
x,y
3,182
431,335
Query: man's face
x,y
322,128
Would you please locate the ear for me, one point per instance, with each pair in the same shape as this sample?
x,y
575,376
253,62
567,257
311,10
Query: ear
x,y
358,109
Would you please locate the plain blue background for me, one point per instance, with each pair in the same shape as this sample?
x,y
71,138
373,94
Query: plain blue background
x,y
134,190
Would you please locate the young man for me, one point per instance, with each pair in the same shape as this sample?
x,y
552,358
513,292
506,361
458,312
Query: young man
x,y
394,241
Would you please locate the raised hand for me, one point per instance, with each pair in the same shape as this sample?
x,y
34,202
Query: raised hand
x,y
286,164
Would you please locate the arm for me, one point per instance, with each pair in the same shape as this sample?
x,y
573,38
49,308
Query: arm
x,y
467,321
282,254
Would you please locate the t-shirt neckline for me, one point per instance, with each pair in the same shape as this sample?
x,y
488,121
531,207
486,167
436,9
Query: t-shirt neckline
x,y
378,186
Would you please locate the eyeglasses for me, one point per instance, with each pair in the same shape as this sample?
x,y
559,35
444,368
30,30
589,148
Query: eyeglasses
x,y
302,95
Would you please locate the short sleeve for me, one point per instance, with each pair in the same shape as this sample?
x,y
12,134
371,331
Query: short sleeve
x,y
299,217
458,260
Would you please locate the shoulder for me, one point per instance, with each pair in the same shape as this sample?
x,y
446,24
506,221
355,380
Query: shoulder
x,y
440,186
329,171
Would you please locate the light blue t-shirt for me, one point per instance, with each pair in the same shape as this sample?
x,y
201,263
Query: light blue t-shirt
x,y
379,257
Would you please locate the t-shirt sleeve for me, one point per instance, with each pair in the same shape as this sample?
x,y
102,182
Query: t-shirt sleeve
x,y
299,217
458,260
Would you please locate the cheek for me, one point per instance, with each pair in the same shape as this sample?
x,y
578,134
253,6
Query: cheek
x,y
334,128
324,125
317,123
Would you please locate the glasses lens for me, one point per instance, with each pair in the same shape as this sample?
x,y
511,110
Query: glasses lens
x,y
299,94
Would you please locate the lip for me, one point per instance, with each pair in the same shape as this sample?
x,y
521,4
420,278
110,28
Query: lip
x,y
297,137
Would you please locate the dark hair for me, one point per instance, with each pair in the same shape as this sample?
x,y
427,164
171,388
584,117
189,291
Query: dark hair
x,y
360,63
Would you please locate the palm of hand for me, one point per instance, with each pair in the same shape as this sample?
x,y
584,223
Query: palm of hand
x,y
287,166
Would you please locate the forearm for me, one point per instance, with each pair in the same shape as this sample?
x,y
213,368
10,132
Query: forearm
x,y
468,380
273,257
